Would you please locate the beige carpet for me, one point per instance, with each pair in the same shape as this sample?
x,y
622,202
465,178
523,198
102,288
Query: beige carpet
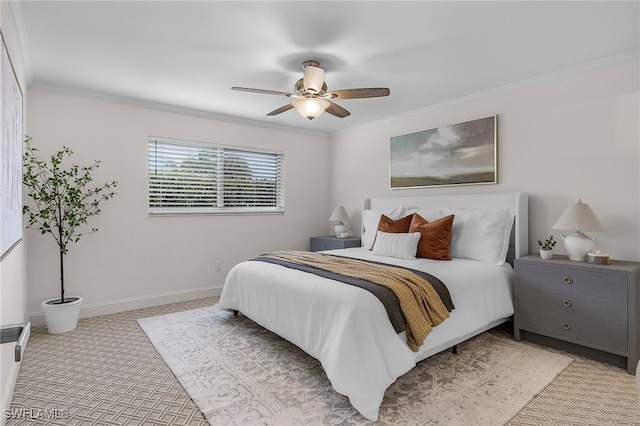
x,y
237,373
107,372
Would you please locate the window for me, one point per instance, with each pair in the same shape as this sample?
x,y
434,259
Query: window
x,y
193,177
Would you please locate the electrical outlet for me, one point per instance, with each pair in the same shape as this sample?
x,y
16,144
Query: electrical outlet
x,y
218,266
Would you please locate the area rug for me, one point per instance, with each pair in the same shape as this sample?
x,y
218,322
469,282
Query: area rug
x,y
237,372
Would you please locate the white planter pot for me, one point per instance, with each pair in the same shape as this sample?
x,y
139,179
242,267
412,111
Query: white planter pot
x,y
61,318
546,254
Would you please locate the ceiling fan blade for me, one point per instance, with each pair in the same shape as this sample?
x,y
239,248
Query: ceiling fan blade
x,y
281,110
264,92
359,93
337,110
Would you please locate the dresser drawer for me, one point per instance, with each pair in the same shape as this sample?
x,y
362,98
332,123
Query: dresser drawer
x,y
317,244
599,284
332,243
600,309
599,335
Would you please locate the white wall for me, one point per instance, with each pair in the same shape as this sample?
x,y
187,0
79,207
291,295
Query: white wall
x,y
12,266
568,136
562,138
135,260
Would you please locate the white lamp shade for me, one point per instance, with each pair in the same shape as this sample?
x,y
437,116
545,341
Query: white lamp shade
x,y
310,107
339,215
578,217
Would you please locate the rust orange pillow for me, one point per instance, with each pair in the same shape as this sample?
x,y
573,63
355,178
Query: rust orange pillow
x,y
391,226
399,226
435,237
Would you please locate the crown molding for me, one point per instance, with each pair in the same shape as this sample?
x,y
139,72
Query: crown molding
x,y
590,66
16,21
174,109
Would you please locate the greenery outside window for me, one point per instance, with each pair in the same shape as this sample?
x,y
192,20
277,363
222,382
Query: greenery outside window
x,y
187,177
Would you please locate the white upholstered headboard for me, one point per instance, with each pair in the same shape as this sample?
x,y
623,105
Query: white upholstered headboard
x,y
517,202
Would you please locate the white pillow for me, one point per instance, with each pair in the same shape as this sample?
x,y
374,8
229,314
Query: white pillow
x,y
481,234
402,246
430,215
370,220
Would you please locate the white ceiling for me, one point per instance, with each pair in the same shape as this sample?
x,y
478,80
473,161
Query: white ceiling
x,y
189,54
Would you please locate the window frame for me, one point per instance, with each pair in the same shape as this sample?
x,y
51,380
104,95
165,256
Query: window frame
x,y
217,151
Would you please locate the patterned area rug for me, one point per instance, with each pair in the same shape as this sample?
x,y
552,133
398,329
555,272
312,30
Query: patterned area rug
x,y
240,373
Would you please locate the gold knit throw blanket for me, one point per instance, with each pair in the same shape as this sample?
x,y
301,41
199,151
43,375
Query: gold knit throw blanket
x,y
420,303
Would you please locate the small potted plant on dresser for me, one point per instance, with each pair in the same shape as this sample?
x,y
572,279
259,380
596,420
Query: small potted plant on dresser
x,y
62,201
546,247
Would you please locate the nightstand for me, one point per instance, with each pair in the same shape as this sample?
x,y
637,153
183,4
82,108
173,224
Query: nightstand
x,y
333,242
588,309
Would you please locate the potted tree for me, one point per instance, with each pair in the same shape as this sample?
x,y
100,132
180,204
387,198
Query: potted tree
x,y
62,202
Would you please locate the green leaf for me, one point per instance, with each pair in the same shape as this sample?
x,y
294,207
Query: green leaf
x,y
61,198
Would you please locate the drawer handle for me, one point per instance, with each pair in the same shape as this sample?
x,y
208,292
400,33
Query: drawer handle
x,y
566,280
566,326
566,303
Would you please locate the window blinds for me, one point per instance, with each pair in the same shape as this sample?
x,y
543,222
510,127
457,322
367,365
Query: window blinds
x,y
194,177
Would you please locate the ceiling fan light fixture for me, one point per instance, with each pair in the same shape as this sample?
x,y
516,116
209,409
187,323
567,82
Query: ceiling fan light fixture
x,y
313,78
310,107
310,94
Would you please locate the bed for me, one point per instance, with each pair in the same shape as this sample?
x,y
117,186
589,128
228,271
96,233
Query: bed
x,y
348,329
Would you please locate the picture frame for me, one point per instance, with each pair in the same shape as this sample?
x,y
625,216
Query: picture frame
x,y
464,153
10,155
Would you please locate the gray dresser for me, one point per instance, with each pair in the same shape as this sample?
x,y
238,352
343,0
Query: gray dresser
x,y
332,243
587,309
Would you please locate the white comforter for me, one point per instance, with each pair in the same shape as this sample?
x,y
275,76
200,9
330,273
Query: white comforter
x,y
347,328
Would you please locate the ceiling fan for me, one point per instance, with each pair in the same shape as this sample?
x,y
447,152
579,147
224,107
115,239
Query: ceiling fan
x,y
311,98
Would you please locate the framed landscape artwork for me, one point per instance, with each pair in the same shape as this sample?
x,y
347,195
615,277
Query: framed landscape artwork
x,y
458,154
10,155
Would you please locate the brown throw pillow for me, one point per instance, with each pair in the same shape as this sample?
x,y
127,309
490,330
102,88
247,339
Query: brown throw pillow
x,y
436,236
400,226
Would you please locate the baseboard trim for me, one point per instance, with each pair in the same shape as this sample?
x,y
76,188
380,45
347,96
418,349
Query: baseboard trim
x,y
112,307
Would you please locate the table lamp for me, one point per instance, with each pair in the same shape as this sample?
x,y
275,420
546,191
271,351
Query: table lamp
x,y
340,215
578,217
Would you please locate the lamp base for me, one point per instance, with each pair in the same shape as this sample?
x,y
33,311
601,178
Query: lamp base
x,y
578,245
341,230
